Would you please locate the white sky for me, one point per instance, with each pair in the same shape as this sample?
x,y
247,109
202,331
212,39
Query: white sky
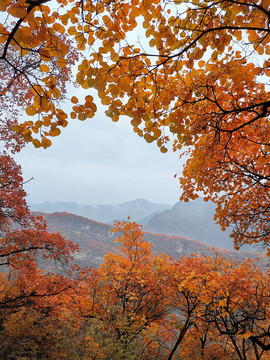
x,y
100,162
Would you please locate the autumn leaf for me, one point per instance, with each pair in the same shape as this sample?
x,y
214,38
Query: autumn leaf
x,y
195,86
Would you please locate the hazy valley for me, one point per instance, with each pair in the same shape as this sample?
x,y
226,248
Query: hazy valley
x,y
182,229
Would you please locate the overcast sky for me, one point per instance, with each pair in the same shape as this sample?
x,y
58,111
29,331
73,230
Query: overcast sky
x,y
100,162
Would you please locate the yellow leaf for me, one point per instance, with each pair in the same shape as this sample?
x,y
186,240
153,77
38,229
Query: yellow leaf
x,y
46,143
246,335
115,117
17,10
4,4
253,36
152,42
55,132
106,100
136,121
47,120
16,128
266,3
149,138
36,143
90,114
146,24
61,62
27,135
89,98
59,28
84,65
38,124
24,52
30,110
65,19
201,63
214,55
56,92
163,149
44,68
18,35
45,55
198,53
3,39
260,50
72,30
82,116
222,303
74,100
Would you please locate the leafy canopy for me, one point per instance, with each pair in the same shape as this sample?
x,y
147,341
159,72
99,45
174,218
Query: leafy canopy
x,y
199,71
138,305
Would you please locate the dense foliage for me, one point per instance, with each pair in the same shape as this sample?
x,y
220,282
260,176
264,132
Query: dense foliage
x,y
140,306
198,73
199,70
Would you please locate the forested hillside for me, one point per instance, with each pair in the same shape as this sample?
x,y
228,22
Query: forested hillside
x,y
192,75
95,241
193,220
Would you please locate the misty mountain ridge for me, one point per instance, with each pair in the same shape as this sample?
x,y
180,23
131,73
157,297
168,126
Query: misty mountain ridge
x,y
192,220
136,209
96,240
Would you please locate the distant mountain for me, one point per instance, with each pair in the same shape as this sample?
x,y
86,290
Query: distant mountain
x,y
136,209
95,240
193,220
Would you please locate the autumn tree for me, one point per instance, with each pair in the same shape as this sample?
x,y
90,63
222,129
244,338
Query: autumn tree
x,y
219,307
232,308
46,329
199,71
138,305
238,306
124,296
24,245
23,234
34,319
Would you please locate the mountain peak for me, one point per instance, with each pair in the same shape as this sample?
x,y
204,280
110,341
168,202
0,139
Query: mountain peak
x,y
136,209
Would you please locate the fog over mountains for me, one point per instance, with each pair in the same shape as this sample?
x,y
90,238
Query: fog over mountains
x,y
137,210
192,220
96,240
